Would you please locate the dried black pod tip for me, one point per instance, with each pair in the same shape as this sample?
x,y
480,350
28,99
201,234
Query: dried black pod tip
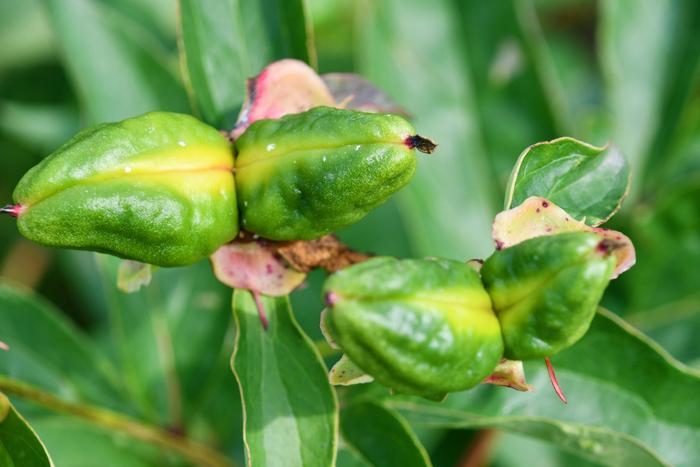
x,y
424,145
13,210
607,246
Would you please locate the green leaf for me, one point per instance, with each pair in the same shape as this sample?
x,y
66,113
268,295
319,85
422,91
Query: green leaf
x,y
223,42
168,336
75,443
586,181
380,436
46,350
630,403
19,444
667,233
290,408
119,68
651,61
424,70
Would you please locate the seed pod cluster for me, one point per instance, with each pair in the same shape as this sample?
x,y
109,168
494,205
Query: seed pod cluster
x,y
160,188
429,327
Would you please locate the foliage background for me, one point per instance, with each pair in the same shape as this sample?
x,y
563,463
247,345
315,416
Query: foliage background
x,y
483,79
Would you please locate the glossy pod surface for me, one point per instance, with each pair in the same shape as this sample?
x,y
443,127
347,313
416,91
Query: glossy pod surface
x,y
307,174
546,290
157,188
422,327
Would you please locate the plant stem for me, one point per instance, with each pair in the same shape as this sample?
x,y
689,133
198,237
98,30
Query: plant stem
x,y
197,453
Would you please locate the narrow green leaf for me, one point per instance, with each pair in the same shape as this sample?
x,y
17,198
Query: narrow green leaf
x,y
425,71
116,64
381,436
223,42
290,408
651,60
168,336
75,443
46,350
667,233
586,181
630,403
19,444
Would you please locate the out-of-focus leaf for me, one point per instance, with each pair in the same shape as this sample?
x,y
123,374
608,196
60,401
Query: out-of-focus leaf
x,y
19,444
511,96
586,181
75,443
667,235
223,42
380,436
650,55
118,68
290,408
41,127
630,403
537,216
167,336
47,351
355,92
25,34
424,69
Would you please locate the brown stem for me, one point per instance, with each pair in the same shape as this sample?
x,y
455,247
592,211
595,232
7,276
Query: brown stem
x,y
479,450
197,453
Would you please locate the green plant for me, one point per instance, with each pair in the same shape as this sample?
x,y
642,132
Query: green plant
x,y
150,369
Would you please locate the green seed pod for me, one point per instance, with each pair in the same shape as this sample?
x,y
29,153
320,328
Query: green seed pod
x,y
305,175
545,290
422,327
156,188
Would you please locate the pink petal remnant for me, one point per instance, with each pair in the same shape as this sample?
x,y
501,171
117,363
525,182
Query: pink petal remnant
x,y
254,266
553,380
536,217
283,87
261,309
13,210
4,346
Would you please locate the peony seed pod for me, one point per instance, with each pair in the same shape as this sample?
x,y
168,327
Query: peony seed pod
x,y
545,291
156,188
307,174
422,327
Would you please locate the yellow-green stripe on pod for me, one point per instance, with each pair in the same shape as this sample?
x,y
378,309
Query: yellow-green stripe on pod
x,y
307,174
418,326
157,188
545,290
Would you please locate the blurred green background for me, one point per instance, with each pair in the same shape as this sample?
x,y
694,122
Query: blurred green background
x,y
484,79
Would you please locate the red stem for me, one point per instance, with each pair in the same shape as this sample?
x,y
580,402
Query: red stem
x,y
261,309
553,380
4,346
